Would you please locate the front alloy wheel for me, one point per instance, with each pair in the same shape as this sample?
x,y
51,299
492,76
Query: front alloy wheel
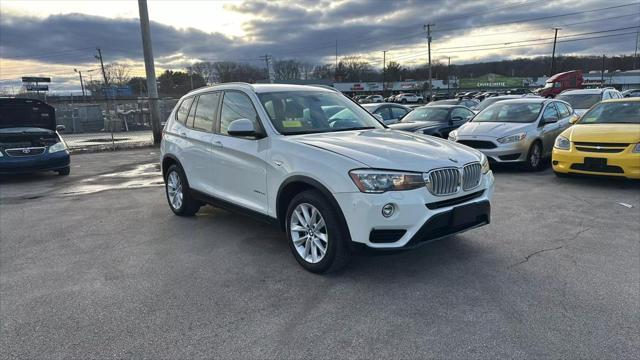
x,y
534,157
317,236
309,233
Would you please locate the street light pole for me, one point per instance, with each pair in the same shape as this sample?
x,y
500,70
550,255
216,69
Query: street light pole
x,y
150,69
553,54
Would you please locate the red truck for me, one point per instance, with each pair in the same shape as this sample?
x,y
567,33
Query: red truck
x,y
561,82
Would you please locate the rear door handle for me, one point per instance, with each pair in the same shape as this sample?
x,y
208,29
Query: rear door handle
x,y
217,144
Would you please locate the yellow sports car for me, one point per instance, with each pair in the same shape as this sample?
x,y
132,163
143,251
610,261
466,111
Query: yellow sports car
x,y
604,141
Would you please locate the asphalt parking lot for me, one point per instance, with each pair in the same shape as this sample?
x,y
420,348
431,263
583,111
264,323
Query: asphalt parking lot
x,y
95,265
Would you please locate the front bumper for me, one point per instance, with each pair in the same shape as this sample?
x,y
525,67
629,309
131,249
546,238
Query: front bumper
x,y
419,216
572,161
503,153
27,164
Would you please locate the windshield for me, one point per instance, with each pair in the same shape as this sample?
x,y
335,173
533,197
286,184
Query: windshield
x,y
427,114
303,112
510,112
580,101
613,113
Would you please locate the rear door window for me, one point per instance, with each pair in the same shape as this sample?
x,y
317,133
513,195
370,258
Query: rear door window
x,y
183,110
206,111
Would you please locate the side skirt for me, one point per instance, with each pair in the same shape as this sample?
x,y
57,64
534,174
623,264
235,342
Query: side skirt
x,y
223,204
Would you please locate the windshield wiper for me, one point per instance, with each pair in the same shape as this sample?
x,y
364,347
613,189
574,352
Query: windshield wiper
x,y
353,128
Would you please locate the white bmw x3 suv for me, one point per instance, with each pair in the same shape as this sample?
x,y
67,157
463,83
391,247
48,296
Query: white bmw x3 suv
x,y
331,182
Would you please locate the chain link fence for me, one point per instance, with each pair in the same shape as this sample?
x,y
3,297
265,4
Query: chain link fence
x,y
95,125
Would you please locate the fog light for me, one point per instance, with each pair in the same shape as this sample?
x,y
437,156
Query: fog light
x,y
388,210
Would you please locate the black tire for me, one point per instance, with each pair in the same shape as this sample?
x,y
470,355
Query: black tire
x,y
530,164
64,171
404,101
189,205
338,252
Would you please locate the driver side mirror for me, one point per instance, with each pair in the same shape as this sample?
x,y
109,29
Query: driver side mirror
x,y
60,127
242,127
574,119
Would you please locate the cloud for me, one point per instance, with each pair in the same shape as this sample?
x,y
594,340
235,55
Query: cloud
x,y
308,30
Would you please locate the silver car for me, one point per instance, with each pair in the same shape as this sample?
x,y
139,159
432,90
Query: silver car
x,y
516,131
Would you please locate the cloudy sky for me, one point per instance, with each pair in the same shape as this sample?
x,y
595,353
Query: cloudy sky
x,y
51,38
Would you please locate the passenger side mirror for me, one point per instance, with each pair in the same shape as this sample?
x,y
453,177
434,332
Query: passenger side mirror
x,y
60,127
574,119
550,120
242,127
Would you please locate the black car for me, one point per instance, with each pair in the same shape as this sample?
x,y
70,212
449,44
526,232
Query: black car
x,y
436,120
29,139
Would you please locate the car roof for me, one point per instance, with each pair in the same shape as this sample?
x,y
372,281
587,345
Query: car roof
x,y
263,88
444,106
526,100
584,91
622,100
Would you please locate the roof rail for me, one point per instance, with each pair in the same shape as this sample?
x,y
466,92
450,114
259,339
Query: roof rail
x,y
325,87
238,83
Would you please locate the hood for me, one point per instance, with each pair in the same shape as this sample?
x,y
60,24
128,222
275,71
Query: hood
x,y
613,133
26,113
492,129
414,125
26,131
392,149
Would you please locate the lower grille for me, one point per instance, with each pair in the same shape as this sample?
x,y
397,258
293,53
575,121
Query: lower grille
x,y
452,202
478,144
386,236
28,151
598,168
444,181
471,176
509,157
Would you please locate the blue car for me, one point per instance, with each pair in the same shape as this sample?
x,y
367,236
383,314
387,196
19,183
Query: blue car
x,y
29,139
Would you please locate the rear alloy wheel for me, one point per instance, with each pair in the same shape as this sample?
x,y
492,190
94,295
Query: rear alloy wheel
x,y
534,157
178,196
316,238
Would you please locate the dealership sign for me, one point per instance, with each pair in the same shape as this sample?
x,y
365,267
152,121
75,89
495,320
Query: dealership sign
x,y
31,87
35,79
492,81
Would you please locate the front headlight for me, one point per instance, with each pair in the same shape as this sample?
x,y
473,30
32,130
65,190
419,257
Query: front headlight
x,y
59,146
636,149
562,143
512,138
453,136
379,181
485,164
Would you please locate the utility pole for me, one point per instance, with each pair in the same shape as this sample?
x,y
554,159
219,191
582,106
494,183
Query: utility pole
x,y
106,96
449,76
81,83
384,71
266,59
428,28
335,69
149,66
553,54
602,75
635,55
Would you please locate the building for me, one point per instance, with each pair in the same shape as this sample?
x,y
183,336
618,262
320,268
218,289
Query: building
x,y
621,80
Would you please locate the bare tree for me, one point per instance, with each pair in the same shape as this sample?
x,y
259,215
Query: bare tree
x,y
118,73
287,69
306,70
207,70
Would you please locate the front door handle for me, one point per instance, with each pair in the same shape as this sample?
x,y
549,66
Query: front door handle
x,y
217,144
